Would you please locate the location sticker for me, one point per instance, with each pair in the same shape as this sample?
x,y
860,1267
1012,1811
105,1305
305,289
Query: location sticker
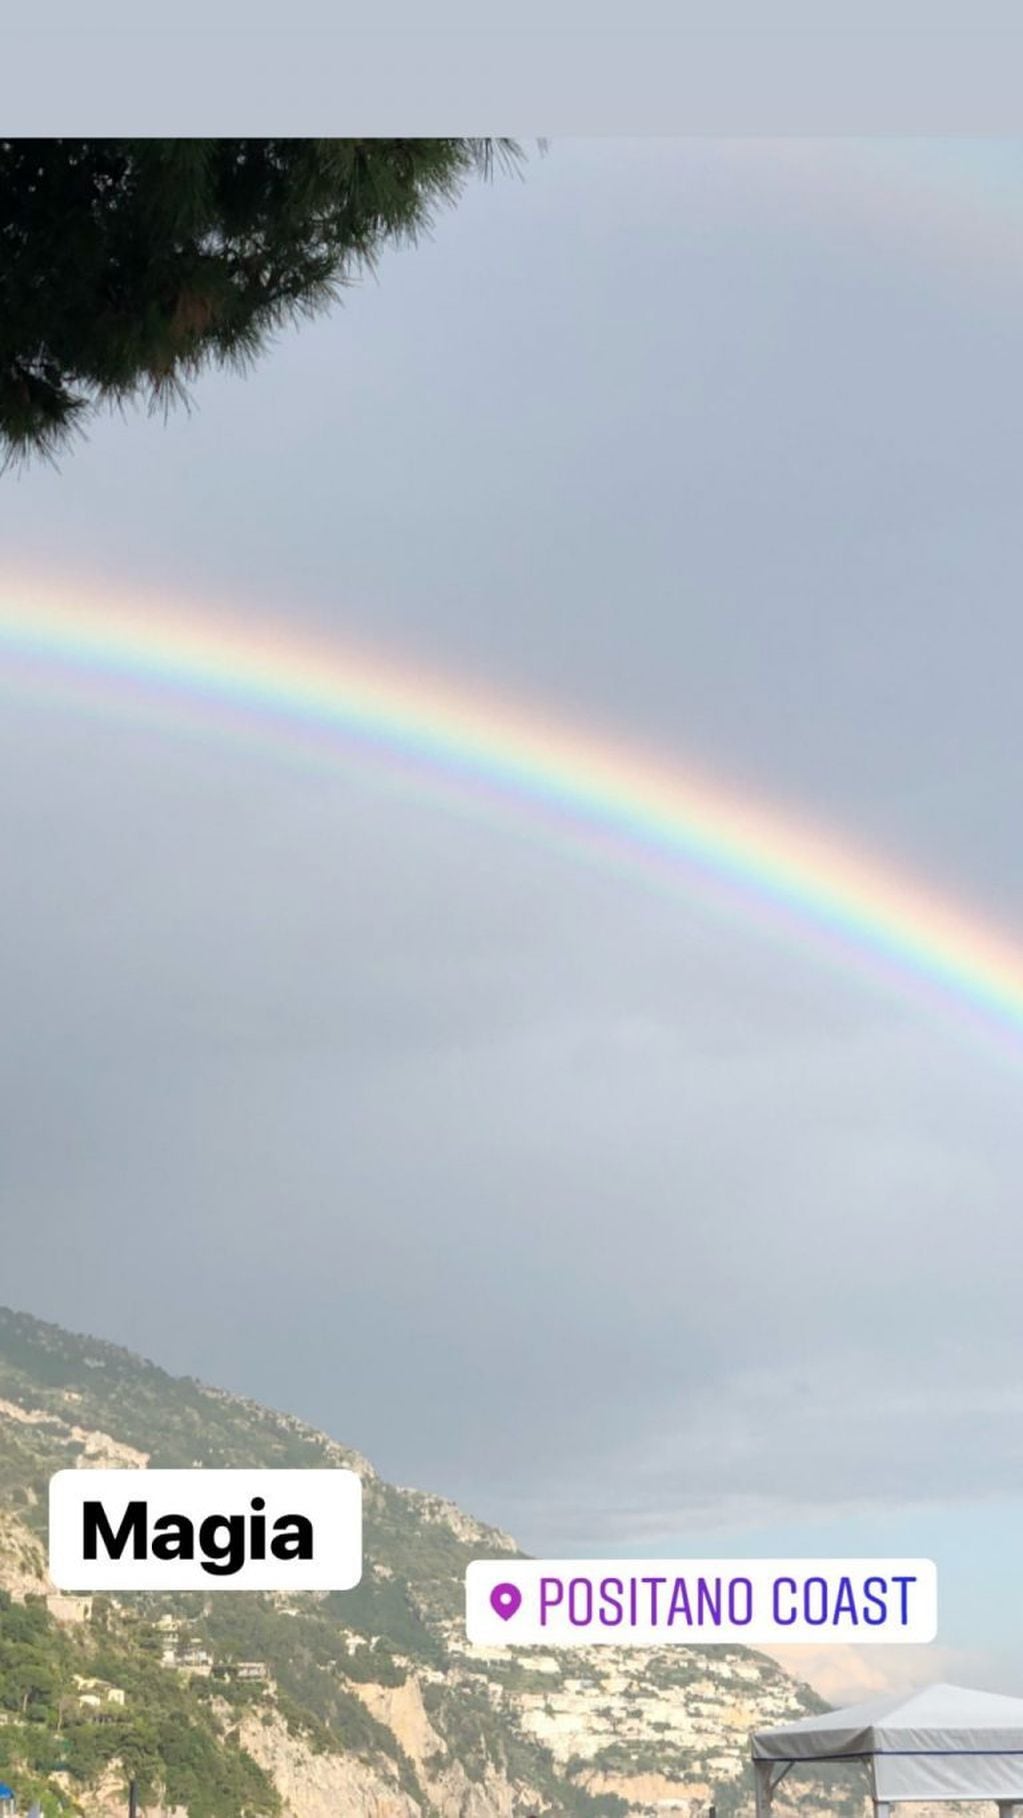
x,y
643,1603
505,1600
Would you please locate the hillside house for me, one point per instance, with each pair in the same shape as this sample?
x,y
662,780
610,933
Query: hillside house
x,y
95,1692
191,1655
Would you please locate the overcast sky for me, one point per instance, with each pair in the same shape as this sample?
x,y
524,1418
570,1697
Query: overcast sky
x,y
623,1224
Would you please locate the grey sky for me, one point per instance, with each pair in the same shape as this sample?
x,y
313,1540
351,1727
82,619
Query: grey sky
x,y
542,1189
588,70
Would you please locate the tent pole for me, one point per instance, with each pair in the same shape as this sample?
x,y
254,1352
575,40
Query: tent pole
x,y
762,1787
882,1807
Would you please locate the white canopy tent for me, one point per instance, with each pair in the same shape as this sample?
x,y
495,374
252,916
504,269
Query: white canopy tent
x,y
940,1743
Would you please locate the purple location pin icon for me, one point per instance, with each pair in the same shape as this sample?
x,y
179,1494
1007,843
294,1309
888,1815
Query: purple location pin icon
x,y
505,1600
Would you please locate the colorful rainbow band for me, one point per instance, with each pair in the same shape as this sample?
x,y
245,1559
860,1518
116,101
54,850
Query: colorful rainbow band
x,y
590,784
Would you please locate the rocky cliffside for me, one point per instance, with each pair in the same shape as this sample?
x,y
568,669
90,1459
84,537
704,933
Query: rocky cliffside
x,y
369,1703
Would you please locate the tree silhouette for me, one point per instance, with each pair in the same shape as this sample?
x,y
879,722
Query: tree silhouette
x,y
127,266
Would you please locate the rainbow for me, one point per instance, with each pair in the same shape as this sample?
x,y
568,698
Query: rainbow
x,y
267,679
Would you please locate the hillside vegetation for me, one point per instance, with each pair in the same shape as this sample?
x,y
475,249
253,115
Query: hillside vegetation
x,y
370,1701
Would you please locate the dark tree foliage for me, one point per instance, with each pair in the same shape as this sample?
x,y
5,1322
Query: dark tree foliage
x,y
129,265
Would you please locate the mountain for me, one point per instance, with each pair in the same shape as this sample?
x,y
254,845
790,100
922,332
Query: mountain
x,y
368,1702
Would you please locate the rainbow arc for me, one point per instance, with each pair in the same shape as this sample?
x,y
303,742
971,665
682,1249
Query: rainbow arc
x,y
642,807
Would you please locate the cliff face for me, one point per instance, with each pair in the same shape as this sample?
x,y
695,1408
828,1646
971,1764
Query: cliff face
x,y
368,1703
314,1785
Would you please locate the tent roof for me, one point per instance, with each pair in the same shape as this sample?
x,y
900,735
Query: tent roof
x,y
940,1719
